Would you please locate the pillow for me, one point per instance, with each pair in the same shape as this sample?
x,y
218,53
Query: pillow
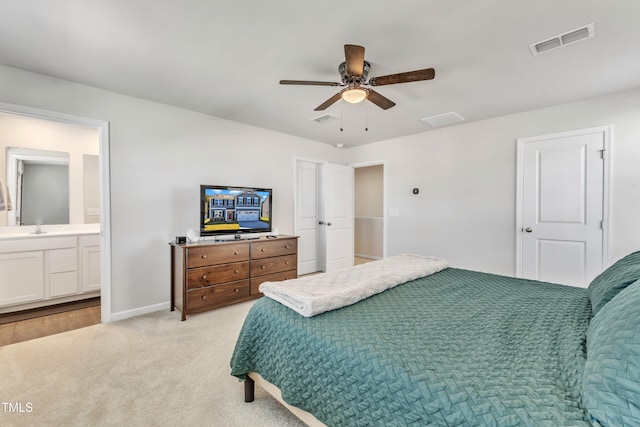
x,y
614,279
611,383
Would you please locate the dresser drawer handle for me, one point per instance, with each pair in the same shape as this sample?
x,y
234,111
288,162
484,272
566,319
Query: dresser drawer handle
x,y
286,246
262,250
204,297
235,252
236,290
236,271
204,277
204,256
263,267
286,263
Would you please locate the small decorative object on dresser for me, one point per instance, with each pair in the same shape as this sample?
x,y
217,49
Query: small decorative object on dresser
x,y
212,274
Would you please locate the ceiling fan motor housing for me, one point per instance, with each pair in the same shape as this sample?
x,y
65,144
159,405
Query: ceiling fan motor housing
x,y
348,79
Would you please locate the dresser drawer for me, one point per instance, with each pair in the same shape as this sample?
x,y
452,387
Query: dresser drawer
x,y
275,277
216,296
209,255
273,248
274,265
217,274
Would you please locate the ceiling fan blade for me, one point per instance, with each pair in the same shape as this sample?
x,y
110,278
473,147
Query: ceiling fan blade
x,y
354,56
379,100
308,83
328,102
410,76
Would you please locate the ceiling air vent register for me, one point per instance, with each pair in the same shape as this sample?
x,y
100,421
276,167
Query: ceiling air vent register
x,y
562,40
442,119
324,118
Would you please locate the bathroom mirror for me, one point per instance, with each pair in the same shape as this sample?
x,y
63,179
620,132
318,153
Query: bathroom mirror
x,y
38,183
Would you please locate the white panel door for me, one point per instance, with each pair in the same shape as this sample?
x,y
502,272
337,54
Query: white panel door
x,y
338,215
307,196
562,198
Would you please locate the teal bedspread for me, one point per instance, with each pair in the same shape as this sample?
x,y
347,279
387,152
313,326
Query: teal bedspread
x,y
451,349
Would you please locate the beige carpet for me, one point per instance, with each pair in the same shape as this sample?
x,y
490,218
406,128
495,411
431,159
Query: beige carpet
x,y
152,370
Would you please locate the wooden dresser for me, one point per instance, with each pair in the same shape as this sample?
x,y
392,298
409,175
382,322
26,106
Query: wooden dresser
x,y
210,274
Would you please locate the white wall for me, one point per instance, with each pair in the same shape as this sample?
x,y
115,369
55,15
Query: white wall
x,y
159,156
466,174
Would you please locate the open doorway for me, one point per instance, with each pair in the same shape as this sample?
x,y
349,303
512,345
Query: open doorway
x,y
369,227
92,258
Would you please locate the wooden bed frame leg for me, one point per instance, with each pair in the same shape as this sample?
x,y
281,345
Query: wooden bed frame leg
x,y
249,388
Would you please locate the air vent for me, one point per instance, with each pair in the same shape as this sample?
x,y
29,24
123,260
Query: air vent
x,y
570,37
324,118
443,119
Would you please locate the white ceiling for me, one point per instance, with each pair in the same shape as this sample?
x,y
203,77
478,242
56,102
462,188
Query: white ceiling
x,y
225,58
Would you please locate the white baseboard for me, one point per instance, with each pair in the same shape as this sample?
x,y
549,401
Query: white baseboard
x,y
126,314
367,256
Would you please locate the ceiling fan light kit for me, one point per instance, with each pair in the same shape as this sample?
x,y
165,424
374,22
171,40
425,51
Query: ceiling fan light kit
x,y
354,73
354,95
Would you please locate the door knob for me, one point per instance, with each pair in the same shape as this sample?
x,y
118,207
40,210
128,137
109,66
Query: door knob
x,y
528,230
320,222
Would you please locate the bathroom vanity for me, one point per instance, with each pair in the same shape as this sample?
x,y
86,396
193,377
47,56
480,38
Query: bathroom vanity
x,y
54,266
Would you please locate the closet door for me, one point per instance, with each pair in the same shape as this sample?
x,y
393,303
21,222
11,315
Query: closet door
x,y
324,216
337,192
307,217
562,205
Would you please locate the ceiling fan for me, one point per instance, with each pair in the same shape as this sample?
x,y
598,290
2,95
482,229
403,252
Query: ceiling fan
x,y
354,72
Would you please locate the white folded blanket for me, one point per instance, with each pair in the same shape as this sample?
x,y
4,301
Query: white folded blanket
x,y
315,294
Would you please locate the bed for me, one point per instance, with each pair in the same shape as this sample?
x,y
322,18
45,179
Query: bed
x,y
454,348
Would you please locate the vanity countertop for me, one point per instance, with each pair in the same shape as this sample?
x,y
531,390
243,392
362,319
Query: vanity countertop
x,y
29,232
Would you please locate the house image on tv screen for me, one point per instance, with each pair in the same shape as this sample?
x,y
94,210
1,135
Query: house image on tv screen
x,y
236,210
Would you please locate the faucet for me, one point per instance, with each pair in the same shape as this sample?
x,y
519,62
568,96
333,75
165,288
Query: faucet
x,y
38,230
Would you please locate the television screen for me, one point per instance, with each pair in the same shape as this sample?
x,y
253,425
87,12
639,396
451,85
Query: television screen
x,y
234,210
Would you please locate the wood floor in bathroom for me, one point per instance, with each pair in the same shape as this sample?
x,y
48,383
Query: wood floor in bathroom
x,y
28,325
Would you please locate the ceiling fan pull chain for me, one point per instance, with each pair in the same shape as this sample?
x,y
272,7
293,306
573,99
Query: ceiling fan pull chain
x,y
341,104
366,118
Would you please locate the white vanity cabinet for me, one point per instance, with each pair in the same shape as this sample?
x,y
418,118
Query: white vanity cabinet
x,y
21,278
89,247
61,270
48,269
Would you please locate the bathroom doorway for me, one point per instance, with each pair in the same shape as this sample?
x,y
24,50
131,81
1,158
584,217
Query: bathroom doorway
x,y
96,213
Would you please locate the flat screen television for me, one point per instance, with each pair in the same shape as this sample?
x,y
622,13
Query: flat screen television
x,y
234,210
